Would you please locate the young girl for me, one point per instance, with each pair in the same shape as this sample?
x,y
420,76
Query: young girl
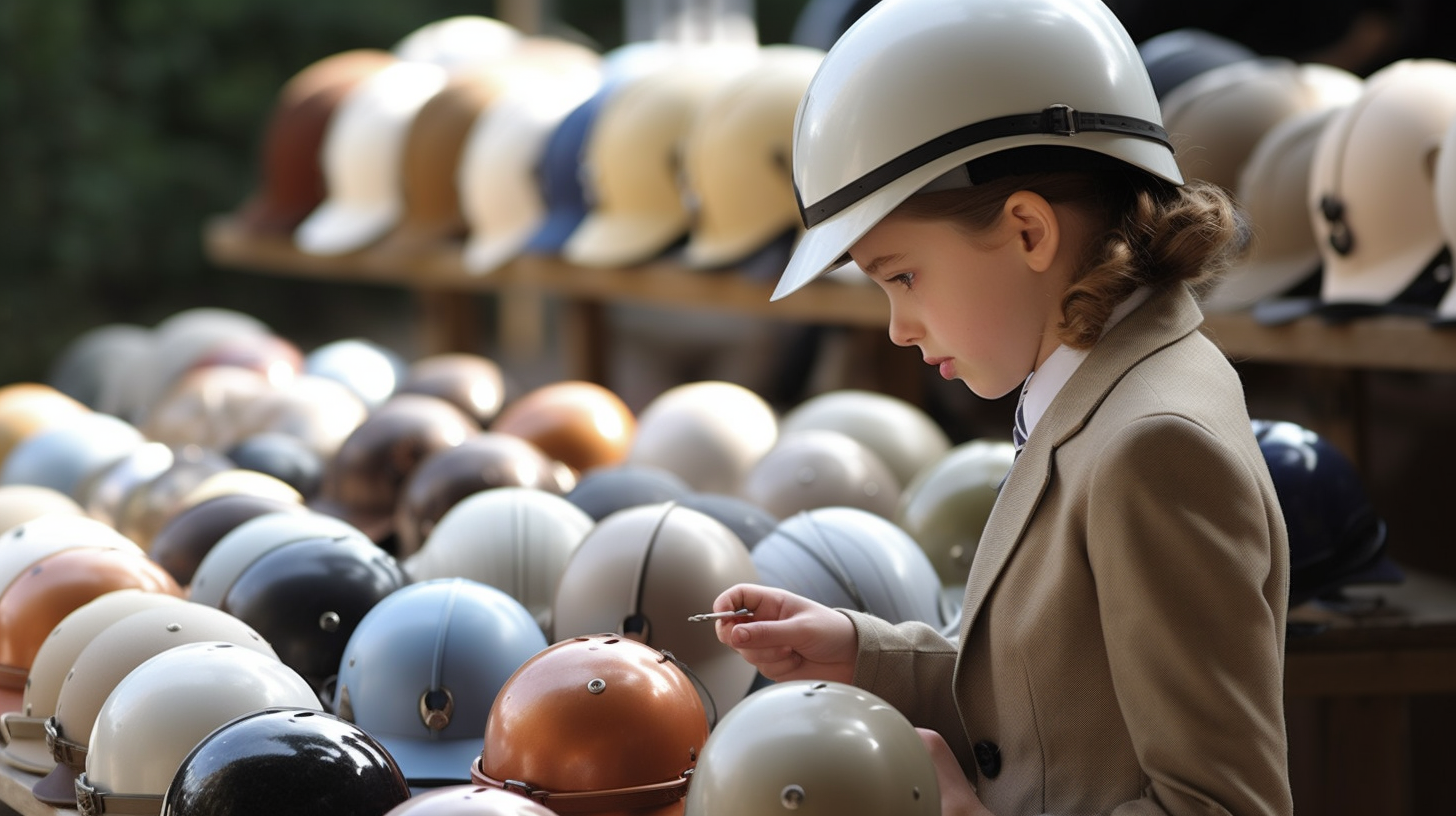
x,y
999,170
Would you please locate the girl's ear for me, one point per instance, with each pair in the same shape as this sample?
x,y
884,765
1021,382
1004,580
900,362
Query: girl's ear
x,y
1038,231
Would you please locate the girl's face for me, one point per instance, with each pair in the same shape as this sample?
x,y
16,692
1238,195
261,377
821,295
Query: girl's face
x,y
982,310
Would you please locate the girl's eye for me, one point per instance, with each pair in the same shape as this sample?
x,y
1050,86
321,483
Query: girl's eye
x,y
905,279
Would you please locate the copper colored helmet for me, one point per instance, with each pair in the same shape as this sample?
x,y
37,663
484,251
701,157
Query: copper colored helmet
x,y
292,182
577,422
597,724
483,461
363,481
432,150
56,586
474,383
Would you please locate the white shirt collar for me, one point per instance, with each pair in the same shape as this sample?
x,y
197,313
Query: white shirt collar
x,y
1046,382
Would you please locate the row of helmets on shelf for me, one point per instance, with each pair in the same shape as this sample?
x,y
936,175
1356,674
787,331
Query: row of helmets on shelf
x,y
411,569
1348,184
469,130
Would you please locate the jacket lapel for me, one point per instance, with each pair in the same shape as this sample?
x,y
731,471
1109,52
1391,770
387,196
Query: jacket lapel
x,y
1163,320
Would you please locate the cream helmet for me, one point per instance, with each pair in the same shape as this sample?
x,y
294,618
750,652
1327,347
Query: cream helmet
x,y
915,89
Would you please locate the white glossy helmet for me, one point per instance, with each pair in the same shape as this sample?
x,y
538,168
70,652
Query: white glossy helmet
x,y
361,156
23,730
817,748
1446,210
110,656
710,433
1216,118
1273,186
517,539
918,88
736,159
167,705
1372,190
633,163
458,43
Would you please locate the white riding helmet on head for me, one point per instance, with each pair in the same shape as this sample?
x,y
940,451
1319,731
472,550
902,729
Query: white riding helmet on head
x,y
918,88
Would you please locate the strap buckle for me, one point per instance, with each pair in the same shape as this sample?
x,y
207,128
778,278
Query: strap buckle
x,y
1059,120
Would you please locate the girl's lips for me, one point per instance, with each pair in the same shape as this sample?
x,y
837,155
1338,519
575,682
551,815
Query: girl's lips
x,y
946,365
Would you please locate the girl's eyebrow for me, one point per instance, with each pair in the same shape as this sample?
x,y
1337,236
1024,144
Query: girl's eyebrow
x,y
883,259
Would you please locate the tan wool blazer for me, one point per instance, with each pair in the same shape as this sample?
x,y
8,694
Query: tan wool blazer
x,y
1122,645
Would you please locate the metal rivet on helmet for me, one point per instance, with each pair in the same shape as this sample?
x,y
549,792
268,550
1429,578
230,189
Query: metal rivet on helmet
x,y
791,797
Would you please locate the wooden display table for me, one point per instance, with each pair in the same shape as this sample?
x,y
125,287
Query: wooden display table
x,y
15,795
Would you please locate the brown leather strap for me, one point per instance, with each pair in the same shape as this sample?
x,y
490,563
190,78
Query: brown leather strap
x,y
92,802
635,798
64,751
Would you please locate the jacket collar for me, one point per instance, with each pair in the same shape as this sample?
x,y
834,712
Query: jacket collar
x,y
1166,318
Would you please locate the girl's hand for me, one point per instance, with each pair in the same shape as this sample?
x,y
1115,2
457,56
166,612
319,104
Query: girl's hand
x,y
788,637
957,797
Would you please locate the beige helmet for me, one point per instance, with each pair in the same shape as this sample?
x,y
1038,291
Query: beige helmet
x,y
633,163
248,541
903,435
361,157
819,468
111,655
517,539
150,505
945,507
1372,189
104,493
21,503
499,187
900,102
319,411
432,151
820,748
642,572
27,408
1216,118
1446,210
458,43
214,407
164,707
180,342
240,482
710,432
23,730
1283,253
736,159
468,800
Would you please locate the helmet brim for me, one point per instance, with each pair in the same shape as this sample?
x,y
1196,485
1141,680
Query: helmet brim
x,y
336,228
826,245
433,763
57,787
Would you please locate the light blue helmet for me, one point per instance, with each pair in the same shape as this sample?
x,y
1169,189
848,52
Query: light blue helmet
x,y
422,669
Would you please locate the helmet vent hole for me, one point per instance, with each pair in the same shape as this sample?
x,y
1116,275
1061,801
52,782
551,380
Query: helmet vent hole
x,y
596,685
915,794
792,797
612,641
437,707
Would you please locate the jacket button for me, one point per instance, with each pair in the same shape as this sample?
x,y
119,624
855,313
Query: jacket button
x,y
988,758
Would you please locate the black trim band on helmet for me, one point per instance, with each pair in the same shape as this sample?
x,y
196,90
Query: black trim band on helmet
x,y
657,794
1056,120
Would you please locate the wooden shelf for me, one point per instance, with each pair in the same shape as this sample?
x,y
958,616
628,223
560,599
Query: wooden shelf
x,y
1388,343
15,795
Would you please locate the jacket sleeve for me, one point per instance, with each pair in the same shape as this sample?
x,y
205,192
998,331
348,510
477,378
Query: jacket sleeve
x,y
910,666
1186,551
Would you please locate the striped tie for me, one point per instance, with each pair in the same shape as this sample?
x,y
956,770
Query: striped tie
x,y
1018,428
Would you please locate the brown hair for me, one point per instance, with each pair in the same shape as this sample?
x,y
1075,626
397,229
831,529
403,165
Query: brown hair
x,y
1143,231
